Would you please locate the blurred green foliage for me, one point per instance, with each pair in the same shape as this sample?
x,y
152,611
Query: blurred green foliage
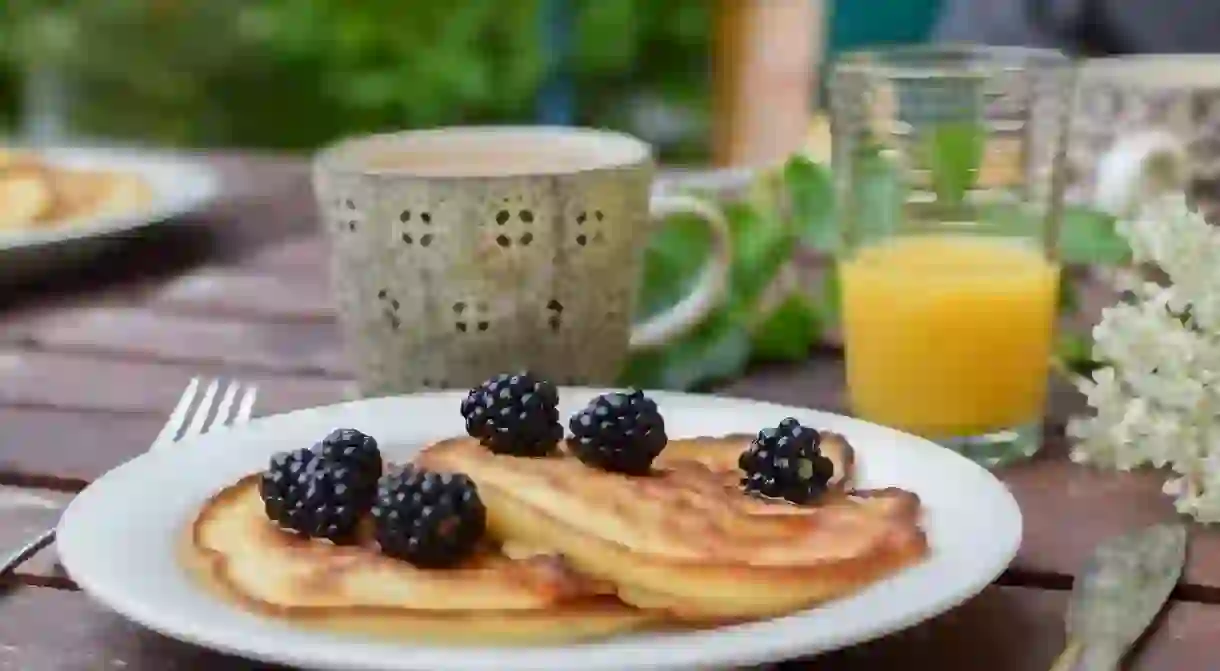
x,y
293,74
763,318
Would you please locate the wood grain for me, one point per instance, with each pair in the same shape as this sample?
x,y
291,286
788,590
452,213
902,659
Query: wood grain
x,y
1004,629
60,630
1019,629
300,256
254,296
140,333
1069,509
96,384
66,449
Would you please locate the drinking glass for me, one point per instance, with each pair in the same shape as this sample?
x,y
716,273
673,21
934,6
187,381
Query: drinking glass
x,y
949,177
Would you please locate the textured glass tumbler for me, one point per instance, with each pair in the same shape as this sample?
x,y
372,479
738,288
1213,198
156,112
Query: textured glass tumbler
x,y
949,171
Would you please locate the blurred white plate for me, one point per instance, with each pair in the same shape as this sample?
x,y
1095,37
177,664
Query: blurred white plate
x,y
179,184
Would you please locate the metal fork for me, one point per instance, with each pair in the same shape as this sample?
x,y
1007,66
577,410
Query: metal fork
x,y
188,419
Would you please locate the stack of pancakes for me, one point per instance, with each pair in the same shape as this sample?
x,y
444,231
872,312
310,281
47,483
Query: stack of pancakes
x,y
574,552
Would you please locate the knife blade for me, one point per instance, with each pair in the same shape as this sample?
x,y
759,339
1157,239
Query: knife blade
x,y
1118,594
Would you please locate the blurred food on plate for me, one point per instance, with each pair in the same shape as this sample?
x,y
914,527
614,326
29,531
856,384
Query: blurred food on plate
x,y
37,193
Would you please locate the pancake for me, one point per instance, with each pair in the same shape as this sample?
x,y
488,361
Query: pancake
x,y
37,193
236,552
686,540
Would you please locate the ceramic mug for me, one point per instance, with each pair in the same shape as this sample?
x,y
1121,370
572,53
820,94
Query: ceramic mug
x,y
458,253
1144,125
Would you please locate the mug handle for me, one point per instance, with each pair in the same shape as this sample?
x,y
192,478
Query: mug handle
x,y
709,290
1138,168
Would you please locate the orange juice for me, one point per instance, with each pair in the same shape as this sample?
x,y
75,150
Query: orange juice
x,y
948,335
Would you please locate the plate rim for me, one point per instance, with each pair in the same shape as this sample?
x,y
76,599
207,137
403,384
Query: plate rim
x,y
684,650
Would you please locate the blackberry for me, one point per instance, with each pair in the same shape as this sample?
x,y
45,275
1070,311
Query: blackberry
x,y
786,462
356,450
316,497
430,519
619,431
514,414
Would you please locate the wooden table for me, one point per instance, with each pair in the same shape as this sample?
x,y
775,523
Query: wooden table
x,y
91,364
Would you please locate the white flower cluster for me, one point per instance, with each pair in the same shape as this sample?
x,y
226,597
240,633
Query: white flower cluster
x,y
1156,401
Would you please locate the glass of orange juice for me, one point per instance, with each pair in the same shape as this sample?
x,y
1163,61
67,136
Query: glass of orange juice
x,y
948,163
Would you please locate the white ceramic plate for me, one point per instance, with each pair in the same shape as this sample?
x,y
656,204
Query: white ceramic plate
x,y
179,184
117,541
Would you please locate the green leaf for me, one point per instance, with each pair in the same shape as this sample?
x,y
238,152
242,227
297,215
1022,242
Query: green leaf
x,y
767,190
1088,237
1074,352
718,349
1085,236
875,203
811,209
954,152
832,307
672,261
762,243
789,331
1069,295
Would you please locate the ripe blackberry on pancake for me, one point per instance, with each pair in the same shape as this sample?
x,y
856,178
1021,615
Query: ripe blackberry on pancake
x,y
621,432
514,413
786,462
430,519
310,495
355,449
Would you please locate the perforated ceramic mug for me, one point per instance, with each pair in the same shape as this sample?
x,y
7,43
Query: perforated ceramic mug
x,y
458,253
